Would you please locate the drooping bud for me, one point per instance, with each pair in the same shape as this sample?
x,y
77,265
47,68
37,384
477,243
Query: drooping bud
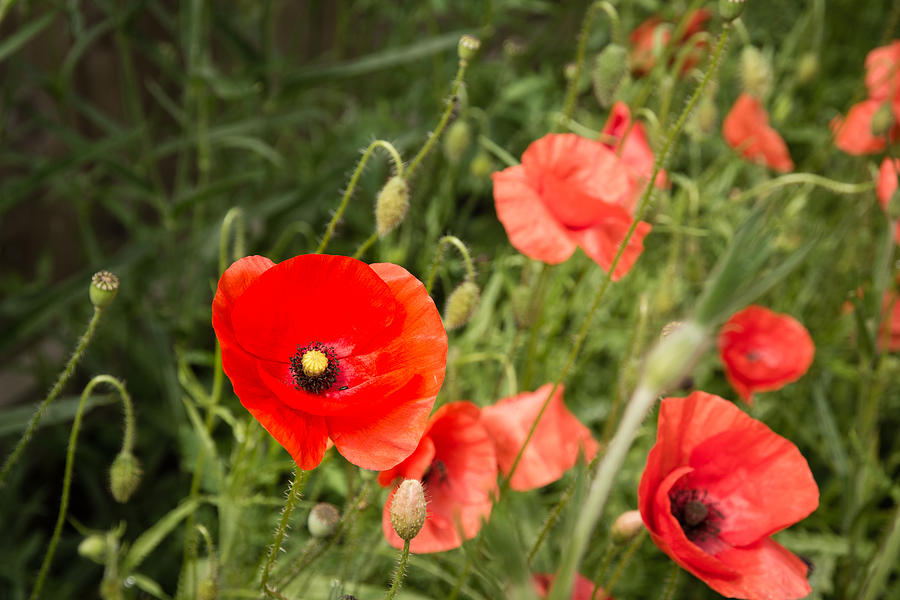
x,y
457,140
468,46
672,358
124,476
408,509
730,9
610,69
756,72
882,120
104,286
323,520
391,205
461,305
94,547
627,526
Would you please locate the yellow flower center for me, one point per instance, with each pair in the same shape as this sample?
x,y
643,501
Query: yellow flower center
x,y
314,363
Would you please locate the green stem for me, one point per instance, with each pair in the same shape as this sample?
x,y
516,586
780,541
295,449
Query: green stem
x,y
234,218
626,558
601,571
886,562
838,187
400,572
503,359
463,251
586,24
365,245
354,179
498,151
61,381
672,583
442,124
67,477
293,493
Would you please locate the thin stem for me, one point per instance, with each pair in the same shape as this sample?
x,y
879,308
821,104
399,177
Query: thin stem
x,y
509,369
293,493
838,187
672,583
572,87
61,381
886,562
354,179
67,477
400,572
234,218
626,558
463,251
442,124
365,245
497,150
601,571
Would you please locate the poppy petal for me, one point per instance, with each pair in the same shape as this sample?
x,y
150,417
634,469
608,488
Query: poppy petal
x,y
304,436
853,133
413,466
767,569
531,229
602,242
746,129
883,72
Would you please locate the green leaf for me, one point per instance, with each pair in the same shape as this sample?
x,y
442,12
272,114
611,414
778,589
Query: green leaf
x,y
15,419
150,539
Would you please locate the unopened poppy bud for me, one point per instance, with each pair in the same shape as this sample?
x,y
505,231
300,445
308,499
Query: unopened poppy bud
x,y
627,526
610,69
882,120
104,286
461,305
124,476
703,120
457,140
756,72
730,9
391,205
807,67
482,165
208,589
408,509
468,46
674,355
323,520
93,547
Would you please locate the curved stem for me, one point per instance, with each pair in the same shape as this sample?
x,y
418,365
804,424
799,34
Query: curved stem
x,y
61,381
67,477
365,245
626,558
400,572
463,251
838,187
293,493
234,218
497,150
586,24
354,179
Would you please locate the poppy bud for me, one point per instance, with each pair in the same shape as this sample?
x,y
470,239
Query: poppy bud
x,y
703,120
391,205
461,305
482,165
807,67
457,141
730,9
208,589
674,355
610,69
408,509
627,526
467,48
756,72
104,286
882,120
323,520
124,476
93,547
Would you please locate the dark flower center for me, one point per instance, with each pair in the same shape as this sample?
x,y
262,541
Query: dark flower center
x,y
436,469
314,368
697,514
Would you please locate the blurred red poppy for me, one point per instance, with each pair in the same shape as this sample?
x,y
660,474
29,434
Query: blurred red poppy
x,y
633,148
582,590
716,485
457,465
558,441
887,185
763,350
889,333
654,34
327,347
746,129
569,191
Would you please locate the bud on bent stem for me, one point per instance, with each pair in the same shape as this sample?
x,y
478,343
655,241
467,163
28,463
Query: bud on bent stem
x,y
408,509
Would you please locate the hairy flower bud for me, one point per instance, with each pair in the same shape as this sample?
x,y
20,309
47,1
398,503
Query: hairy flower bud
x,y
104,286
391,205
461,305
93,547
672,358
457,140
124,476
756,72
627,526
323,520
408,509
468,46
610,69
730,9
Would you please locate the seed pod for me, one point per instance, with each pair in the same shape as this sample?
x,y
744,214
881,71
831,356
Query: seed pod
x,y
461,305
124,476
323,520
408,509
391,205
104,286
730,9
468,46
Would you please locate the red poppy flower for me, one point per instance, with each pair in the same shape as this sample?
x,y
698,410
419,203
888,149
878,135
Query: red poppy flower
x,y
457,465
883,72
887,185
654,31
853,133
717,484
889,333
763,350
582,590
326,347
569,191
558,441
634,150
746,129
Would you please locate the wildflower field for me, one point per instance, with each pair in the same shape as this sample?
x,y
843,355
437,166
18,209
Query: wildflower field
x,y
478,299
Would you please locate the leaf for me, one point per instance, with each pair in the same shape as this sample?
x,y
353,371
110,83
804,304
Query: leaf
x,y
150,539
15,419
147,585
21,37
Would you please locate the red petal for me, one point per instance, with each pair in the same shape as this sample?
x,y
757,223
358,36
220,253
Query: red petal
x,y
602,242
887,181
582,590
853,134
767,570
634,150
531,228
558,441
413,467
746,129
882,75
303,436
233,283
